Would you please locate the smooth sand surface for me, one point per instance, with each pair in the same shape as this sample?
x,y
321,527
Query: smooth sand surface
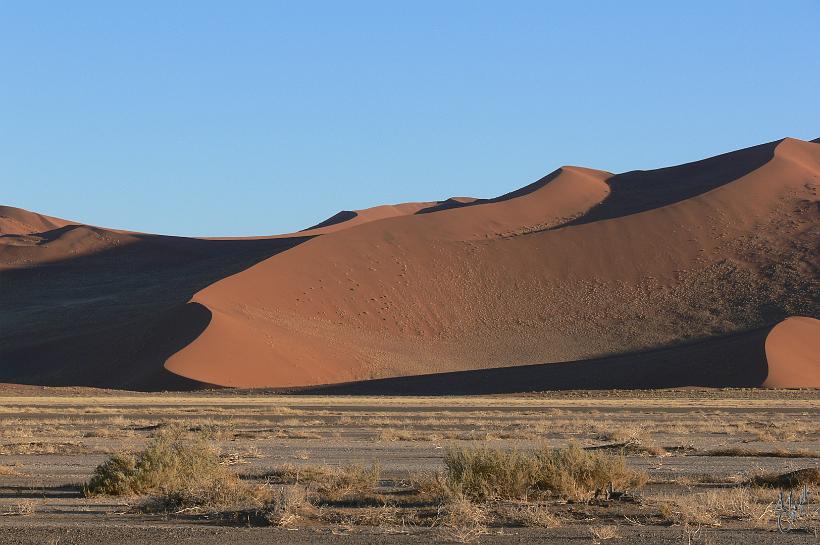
x,y
793,354
16,221
668,277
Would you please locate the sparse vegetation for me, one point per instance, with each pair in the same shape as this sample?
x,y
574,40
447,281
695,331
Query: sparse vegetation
x,y
495,478
793,479
287,506
351,483
179,469
46,447
486,474
711,507
777,453
532,515
604,533
329,483
23,508
462,520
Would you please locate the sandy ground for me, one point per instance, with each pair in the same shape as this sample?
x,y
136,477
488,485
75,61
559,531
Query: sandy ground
x,y
51,440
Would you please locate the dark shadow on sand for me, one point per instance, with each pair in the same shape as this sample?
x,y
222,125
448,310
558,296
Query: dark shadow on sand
x,y
111,319
641,190
734,361
339,217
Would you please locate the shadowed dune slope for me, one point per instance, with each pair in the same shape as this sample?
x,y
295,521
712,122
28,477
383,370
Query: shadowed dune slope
x,y
728,361
83,305
670,277
784,356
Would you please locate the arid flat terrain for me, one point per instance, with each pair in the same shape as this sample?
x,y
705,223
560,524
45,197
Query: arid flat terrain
x,y
709,461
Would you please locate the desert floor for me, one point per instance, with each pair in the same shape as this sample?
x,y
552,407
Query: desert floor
x,y
701,449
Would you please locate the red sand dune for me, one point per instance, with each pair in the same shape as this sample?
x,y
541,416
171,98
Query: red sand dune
x,y
793,354
16,221
671,277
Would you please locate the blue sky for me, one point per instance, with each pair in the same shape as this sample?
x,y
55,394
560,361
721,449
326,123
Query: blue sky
x,y
240,118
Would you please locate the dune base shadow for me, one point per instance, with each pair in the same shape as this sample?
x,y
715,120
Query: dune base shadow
x,y
111,319
734,361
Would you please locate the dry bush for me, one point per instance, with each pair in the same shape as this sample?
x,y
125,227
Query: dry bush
x,y
487,474
284,433
603,533
794,479
632,432
350,483
461,520
46,447
25,508
179,469
293,474
777,453
710,507
687,510
738,503
114,477
528,515
287,506
383,515
107,433
707,478
431,486
7,470
691,533
238,457
330,484
390,435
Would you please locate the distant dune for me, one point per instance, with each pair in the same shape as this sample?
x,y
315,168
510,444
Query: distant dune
x,y
16,221
703,274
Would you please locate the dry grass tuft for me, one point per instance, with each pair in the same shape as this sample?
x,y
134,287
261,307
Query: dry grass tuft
x,y
381,516
25,508
325,484
627,433
708,478
288,505
687,510
488,474
528,515
777,453
390,435
713,506
794,479
350,483
8,470
180,470
462,521
603,533
739,503
46,447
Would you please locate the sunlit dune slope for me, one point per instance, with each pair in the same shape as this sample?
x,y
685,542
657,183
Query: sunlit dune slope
x,y
719,247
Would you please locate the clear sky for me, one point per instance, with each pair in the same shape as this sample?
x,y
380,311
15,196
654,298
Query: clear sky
x,y
241,117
